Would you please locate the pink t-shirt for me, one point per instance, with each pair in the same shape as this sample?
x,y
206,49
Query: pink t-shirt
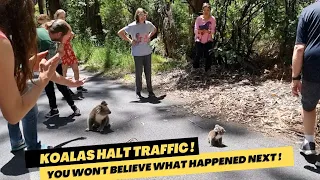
x,y
202,24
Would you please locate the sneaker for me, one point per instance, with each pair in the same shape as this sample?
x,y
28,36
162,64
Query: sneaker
x,y
84,90
46,147
18,148
76,110
308,148
53,112
318,162
139,95
71,92
151,94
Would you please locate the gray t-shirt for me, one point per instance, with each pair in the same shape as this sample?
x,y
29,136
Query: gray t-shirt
x,y
140,33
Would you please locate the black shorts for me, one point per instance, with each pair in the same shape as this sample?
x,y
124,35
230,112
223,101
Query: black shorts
x,y
310,92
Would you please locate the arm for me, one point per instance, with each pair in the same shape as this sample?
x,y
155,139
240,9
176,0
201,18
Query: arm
x,y
72,35
123,35
297,59
298,52
214,25
153,30
35,60
196,26
15,106
57,78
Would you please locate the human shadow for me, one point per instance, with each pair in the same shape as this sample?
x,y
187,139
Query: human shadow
x,y
106,130
220,146
312,159
16,166
313,169
56,122
151,100
75,96
67,142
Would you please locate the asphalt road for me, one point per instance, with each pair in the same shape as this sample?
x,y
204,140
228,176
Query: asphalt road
x,y
143,121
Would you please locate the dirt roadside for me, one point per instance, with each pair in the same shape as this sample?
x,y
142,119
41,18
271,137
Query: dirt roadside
x,y
263,106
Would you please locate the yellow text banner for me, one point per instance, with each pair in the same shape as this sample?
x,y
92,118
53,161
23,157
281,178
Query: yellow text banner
x,y
171,166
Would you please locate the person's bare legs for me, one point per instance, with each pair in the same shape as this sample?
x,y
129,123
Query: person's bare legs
x,y
310,98
75,70
64,70
309,121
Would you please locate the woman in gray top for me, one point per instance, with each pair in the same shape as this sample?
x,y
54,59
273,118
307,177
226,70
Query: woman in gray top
x,y
140,32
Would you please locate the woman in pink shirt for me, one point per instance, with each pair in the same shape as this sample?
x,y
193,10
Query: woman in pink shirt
x,y
204,29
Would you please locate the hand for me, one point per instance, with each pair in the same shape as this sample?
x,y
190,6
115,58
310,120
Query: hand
x,y
34,63
296,87
47,69
76,83
206,31
133,42
148,39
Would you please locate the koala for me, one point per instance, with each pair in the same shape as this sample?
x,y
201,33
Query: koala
x,y
99,116
215,136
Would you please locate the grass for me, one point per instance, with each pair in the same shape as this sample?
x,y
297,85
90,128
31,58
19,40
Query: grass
x,y
115,61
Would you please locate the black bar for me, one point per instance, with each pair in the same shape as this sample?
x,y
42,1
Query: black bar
x,y
32,157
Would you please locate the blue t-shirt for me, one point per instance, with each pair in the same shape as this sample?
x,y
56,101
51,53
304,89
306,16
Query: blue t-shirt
x,y
140,33
308,33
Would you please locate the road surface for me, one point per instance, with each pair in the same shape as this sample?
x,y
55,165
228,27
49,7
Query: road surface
x,y
143,121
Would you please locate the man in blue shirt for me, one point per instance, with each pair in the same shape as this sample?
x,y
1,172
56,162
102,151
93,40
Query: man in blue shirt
x,y
306,61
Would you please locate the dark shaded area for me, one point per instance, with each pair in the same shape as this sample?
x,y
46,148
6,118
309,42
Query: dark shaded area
x,y
280,174
195,79
208,124
311,158
151,100
313,169
16,166
56,122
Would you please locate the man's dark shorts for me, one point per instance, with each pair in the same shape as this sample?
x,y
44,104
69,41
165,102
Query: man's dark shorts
x,y
310,92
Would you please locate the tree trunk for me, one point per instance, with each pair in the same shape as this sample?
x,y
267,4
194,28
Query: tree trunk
x,y
54,5
40,5
93,18
196,5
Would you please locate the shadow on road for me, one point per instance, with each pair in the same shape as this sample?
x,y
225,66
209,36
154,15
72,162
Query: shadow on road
x,y
56,122
16,166
311,158
151,100
313,169
280,174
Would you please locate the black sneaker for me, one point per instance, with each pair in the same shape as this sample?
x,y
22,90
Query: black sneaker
x,y
82,89
151,94
53,112
318,161
75,110
71,92
139,95
308,148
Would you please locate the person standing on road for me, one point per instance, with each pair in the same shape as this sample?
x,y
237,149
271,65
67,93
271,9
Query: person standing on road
x,y
18,97
141,32
58,31
204,29
306,62
69,58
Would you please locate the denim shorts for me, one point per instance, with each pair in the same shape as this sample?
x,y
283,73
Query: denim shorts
x,y
310,92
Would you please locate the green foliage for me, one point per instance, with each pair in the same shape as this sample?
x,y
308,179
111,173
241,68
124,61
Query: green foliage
x,y
246,31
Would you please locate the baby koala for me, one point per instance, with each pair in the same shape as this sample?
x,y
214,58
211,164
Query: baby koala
x,y
99,116
215,136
